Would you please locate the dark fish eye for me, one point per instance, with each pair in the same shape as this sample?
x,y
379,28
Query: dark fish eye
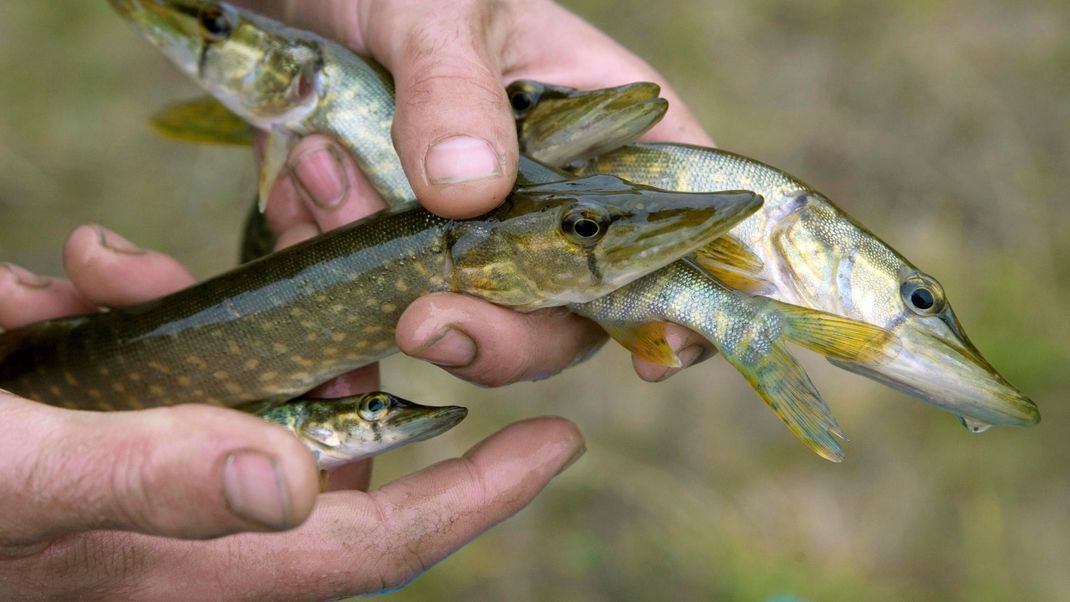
x,y
216,23
522,100
375,404
922,295
584,226
374,407
922,298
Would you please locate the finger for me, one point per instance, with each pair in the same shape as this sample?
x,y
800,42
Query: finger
x,y
492,345
26,298
365,543
110,271
453,128
191,472
690,347
356,476
329,184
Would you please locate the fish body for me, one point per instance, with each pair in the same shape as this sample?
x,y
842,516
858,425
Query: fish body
x,y
803,250
278,326
349,429
751,332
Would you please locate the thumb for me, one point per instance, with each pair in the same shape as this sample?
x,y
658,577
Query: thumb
x,y
453,128
190,471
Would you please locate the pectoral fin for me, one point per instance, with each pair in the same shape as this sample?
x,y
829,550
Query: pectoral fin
x,y
784,385
834,336
324,476
204,120
733,264
646,341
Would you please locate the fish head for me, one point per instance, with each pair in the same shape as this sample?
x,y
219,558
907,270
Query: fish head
x,y
558,125
575,240
261,70
931,357
354,428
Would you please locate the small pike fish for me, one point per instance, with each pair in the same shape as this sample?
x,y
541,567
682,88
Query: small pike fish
x,y
349,429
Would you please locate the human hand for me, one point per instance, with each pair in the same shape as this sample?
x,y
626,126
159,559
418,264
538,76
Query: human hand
x,y
111,504
455,134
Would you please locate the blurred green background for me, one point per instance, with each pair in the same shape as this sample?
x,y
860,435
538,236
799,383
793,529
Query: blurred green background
x,y
942,125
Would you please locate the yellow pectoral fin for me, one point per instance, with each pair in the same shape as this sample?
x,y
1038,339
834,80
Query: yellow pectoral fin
x,y
729,251
784,385
834,336
646,341
203,120
324,476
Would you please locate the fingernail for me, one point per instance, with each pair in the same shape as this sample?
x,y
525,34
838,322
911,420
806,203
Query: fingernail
x,y
690,356
461,159
572,460
321,176
25,277
255,490
113,242
451,349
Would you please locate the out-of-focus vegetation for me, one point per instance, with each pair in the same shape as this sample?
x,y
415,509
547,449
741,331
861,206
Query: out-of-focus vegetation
x,y
942,125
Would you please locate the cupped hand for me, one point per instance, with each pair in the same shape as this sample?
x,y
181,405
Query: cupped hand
x,y
133,505
455,135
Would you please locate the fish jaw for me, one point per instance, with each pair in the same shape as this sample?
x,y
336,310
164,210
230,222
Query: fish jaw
x,y
932,359
171,26
528,254
558,125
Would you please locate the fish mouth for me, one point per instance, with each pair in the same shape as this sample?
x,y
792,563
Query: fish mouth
x,y
415,422
584,123
171,25
670,225
939,365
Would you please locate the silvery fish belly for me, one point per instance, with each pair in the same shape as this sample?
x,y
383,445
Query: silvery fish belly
x,y
803,250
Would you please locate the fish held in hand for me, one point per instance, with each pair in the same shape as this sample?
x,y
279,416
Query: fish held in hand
x,y
803,250
276,327
349,429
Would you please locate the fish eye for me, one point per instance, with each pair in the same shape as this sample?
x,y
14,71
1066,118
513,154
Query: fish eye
x,y
216,23
374,407
584,226
923,295
523,97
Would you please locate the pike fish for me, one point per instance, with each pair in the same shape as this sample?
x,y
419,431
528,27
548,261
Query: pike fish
x,y
803,250
349,429
556,125
276,327
290,83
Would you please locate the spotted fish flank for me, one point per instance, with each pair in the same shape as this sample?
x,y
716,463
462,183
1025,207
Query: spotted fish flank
x,y
526,254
